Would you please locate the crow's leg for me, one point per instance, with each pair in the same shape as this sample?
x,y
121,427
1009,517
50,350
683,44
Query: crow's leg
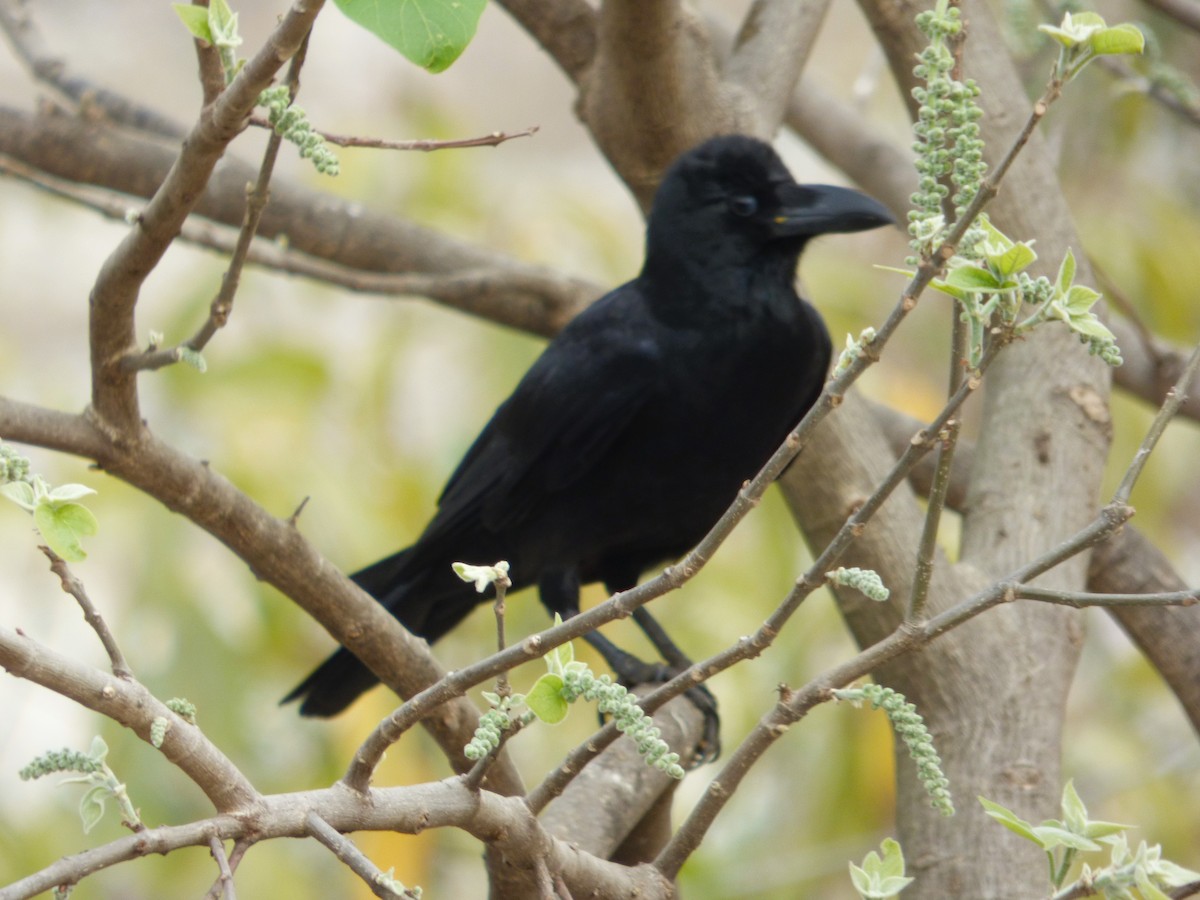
x,y
559,590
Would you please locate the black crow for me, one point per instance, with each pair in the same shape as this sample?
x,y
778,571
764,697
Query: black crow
x,y
633,431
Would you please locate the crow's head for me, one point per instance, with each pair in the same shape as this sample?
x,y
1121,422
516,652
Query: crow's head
x,y
730,199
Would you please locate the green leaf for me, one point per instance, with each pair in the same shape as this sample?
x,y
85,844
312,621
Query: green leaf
x,y
195,19
1097,829
1010,820
1052,834
20,493
861,880
1074,812
893,859
545,699
1146,887
1080,299
1076,29
1173,875
971,279
68,493
1012,260
223,24
1120,39
98,750
1066,273
91,806
1090,326
430,33
62,525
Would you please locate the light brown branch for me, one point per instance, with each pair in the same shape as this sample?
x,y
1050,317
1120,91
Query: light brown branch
x,y
115,293
76,92
771,47
91,615
129,703
427,145
499,821
276,552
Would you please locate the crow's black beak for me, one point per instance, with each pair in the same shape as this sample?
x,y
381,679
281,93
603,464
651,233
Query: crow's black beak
x,y
812,209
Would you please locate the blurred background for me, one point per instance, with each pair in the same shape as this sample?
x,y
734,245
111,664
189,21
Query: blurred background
x,y
365,404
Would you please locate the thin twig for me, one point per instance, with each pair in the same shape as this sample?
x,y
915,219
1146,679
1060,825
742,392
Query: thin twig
x,y
223,887
493,139
345,850
256,201
1084,599
502,584
118,284
1175,397
73,586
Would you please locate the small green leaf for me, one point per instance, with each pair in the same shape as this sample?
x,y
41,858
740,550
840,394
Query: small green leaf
x,y
879,878
98,750
1080,299
1066,273
1075,29
1013,260
223,24
1010,820
545,699
1090,326
195,19
1120,39
972,279
20,493
861,880
62,525
893,859
68,493
430,33
1146,887
1074,812
91,806
1097,829
1052,834
1174,875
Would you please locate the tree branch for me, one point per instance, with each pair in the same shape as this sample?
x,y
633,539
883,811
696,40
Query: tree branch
x,y
275,551
771,48
129,703
502,822
74,587
115,293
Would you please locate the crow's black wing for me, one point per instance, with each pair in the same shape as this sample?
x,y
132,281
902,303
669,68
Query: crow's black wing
x,y
579,397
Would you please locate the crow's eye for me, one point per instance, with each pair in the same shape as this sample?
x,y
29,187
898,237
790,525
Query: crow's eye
x,y
743,206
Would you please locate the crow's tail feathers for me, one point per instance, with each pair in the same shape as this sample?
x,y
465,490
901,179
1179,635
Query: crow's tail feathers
x,y
427,605
333,686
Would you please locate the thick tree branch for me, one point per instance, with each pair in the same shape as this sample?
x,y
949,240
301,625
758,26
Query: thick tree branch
x,y
566,29
502,822
326,238
1126,563
275,551
654,90
81,94
769,51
